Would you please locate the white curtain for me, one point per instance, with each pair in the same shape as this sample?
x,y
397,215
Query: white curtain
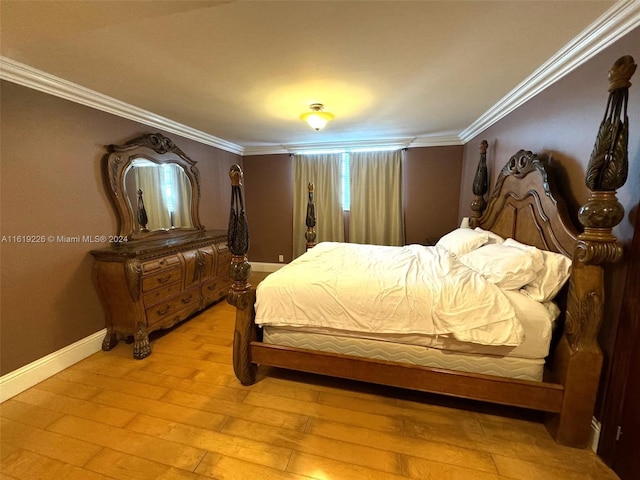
x,y
182,197
148,179
325,172
166,194
376,198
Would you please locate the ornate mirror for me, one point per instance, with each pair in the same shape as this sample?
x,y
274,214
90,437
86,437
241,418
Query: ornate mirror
x,y
155,188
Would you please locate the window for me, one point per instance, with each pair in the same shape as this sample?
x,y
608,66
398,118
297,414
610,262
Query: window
x,y
358,196
346,183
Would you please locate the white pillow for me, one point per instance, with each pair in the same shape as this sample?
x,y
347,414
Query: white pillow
x,y
493,237
536,253
556,271
462,240
505,266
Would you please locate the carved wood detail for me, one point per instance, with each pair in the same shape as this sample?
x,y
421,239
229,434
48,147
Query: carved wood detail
x,y
148,286
480,186
578,354
244,333
238,239
597,246
310,220
158,149
525,205
141,345
133,276
609,163
241,295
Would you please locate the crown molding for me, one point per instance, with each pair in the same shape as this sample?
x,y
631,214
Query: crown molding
x,y
30,77
436,141
265,150
616,22
431,141
350,145
343,146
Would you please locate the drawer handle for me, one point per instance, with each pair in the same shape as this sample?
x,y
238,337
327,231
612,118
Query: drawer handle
x,y
187,299
164,279
165,310
213,286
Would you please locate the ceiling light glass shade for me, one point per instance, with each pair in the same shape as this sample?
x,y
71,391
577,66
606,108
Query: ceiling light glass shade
x,y
316,118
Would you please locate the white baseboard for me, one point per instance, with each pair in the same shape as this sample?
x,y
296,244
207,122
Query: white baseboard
x,y
595,434
266,267
26,377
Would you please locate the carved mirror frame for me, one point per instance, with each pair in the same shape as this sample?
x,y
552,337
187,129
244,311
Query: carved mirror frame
x,y
158,149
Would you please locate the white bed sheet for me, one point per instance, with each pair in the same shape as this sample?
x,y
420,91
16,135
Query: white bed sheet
x,y
387,290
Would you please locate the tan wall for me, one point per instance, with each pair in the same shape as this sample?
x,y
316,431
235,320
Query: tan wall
x,y
430,176
51,184
431,192
268,182
563,121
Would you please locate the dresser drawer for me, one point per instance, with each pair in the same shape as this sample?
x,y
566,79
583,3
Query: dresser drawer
x,y
153,266
165,312
215,289
162,293
224,262
161,279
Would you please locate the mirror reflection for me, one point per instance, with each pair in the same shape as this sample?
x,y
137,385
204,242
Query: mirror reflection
x,y
159,194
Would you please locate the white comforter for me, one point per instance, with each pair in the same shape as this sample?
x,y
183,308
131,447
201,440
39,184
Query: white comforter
x,y
366,288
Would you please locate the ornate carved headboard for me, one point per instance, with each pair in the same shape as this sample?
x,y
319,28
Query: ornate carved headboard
x,y
526,206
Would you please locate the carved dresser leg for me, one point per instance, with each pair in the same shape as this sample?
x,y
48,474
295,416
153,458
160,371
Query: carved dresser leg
x,y
110,340
141,346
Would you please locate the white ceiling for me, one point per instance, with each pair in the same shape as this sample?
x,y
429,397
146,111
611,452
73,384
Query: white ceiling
x,y
239,73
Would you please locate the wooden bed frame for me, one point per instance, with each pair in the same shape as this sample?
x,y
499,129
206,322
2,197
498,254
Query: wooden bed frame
x,y
524,205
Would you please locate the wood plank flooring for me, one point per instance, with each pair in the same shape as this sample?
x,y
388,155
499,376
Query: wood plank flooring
x,y
181,414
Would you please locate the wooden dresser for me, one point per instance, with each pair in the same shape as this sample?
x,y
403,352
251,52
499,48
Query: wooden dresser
x,y
165,265
153,285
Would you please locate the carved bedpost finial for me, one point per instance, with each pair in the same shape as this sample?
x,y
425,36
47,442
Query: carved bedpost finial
x,y
480,186
608,166
621,73
606,172
310,234
238,239
236,176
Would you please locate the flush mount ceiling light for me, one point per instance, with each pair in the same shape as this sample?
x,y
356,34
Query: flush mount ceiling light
x,y
316,118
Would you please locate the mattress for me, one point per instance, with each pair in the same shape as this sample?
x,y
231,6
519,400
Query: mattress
x,y
511,367
525,361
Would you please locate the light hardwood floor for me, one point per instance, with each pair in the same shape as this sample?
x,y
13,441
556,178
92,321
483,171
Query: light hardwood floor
x,y
181,414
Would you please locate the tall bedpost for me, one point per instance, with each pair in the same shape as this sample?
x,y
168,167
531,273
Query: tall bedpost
x,y
579,356
480,186
241,295
238,238
310,234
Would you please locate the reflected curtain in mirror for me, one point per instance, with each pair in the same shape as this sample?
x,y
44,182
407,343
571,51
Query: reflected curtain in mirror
x,y
166,192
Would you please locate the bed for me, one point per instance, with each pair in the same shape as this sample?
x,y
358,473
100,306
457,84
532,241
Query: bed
x,y
531,345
